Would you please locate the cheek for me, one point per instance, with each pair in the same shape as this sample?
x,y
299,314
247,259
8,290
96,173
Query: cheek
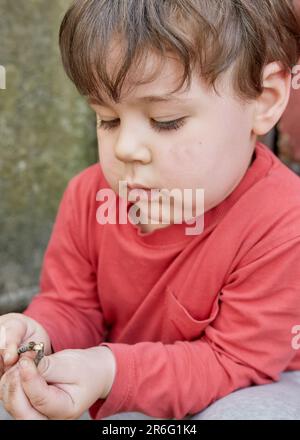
x,y
107,158
230,125
184,163
110,171
185,153
103,150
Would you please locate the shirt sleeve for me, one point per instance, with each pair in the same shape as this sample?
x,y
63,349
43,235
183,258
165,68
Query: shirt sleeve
x,y
67,305
248,343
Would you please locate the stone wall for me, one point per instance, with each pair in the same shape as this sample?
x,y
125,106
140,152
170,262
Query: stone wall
x,y
47,135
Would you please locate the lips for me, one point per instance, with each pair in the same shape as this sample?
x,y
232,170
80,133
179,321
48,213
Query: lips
x,y
143,192
137,186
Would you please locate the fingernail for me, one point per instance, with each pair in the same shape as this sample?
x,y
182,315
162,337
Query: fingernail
x,y
23,363
7,357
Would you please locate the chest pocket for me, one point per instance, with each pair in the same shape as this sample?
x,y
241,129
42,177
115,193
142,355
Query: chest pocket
x,y
179,324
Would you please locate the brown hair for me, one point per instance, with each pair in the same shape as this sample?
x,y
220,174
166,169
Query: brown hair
x,y
209,35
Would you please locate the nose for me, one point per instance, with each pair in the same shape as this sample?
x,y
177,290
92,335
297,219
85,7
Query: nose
x,y
130,148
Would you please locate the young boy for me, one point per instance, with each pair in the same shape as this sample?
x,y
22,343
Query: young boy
x,y
144,316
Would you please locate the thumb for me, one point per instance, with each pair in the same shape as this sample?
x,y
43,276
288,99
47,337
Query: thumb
x,y
34,385
29,372
54,368
47,399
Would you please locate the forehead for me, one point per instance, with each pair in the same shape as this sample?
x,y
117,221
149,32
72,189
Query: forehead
x,y
150,79
147,99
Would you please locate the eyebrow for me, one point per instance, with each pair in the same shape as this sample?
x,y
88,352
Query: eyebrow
x,y
149,99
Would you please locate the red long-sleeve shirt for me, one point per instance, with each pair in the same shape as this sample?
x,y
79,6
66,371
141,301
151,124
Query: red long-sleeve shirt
x,y
189,318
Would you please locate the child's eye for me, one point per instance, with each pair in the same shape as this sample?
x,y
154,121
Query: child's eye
x,y
159,126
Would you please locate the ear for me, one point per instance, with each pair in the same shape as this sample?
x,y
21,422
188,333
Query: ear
x,y
271,104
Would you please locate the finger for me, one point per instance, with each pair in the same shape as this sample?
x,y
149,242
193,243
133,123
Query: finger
x,y
10,355
15,401
28,354
1,366
5,379
14,331
47,399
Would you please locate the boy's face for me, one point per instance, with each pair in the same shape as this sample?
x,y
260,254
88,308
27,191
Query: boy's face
x,y
211,149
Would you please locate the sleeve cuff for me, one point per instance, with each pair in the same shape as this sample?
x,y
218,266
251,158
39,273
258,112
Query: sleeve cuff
x,y
121,395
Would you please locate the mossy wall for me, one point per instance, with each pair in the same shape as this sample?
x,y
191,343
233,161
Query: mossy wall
x,y
47,135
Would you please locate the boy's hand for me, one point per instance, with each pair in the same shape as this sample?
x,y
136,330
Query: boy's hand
x,y
18,329
63,386
14,399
